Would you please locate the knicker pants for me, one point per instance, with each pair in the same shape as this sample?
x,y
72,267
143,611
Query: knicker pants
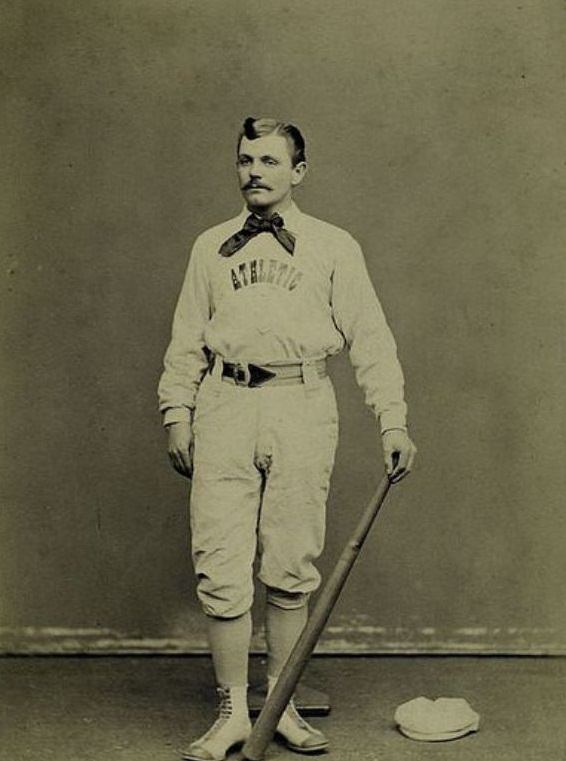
x,y
262,464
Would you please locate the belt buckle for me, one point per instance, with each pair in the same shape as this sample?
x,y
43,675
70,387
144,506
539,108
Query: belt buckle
x,y
241,374
309,373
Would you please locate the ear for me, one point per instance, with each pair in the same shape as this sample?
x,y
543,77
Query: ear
x,y
299,172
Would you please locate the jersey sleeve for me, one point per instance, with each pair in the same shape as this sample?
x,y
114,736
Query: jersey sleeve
x,y
186,361
373,353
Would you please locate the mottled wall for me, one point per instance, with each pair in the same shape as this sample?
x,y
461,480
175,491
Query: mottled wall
x,y
436,136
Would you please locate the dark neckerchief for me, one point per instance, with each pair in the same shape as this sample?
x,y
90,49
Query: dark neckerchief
x,y
255,225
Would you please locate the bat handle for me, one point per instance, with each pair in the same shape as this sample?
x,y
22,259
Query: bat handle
x,y
265,726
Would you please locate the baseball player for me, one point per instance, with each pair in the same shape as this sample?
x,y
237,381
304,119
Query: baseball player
x,y
251,413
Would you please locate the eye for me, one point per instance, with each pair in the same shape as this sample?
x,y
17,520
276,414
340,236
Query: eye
x,y
243,161
270,161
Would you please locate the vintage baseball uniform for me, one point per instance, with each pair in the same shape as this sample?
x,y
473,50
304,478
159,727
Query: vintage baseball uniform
x,y
263,456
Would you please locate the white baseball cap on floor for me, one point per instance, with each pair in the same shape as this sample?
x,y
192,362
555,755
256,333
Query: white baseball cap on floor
x,y
436,720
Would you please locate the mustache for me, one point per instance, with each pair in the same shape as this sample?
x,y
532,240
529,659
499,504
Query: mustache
x,y
252,184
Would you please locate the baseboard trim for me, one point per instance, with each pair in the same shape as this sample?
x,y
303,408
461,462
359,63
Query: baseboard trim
x,y
337,640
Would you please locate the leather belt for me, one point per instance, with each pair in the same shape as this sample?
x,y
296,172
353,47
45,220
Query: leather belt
x,y
254,376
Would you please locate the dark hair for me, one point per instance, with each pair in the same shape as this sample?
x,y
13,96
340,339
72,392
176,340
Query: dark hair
x,y
253,128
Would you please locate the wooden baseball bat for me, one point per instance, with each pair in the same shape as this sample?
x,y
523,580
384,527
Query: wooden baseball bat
x,y
266,724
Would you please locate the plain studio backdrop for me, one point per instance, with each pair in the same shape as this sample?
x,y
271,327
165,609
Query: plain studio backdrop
x,y
435,135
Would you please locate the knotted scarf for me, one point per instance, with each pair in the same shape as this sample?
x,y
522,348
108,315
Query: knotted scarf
x,y
255,225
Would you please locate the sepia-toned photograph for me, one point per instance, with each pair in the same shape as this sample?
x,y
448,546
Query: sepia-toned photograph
x,y
282,380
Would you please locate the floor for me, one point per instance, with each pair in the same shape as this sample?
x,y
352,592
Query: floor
x,y
148,708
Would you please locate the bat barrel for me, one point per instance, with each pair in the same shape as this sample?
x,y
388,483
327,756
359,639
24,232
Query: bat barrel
x,y
264,728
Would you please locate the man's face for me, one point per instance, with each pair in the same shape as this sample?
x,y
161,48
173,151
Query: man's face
x,y
266,173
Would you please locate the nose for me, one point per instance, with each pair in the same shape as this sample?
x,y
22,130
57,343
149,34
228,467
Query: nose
x,y
255,169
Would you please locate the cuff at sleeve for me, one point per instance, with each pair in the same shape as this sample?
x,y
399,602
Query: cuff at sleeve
x,y
393,419
177,415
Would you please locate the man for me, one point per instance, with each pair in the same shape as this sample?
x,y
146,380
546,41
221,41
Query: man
x,y
251,412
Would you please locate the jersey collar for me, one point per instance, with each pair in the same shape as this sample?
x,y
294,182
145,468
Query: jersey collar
x,y
292,217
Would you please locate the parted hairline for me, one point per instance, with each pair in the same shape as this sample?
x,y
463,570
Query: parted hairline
x,y
253,128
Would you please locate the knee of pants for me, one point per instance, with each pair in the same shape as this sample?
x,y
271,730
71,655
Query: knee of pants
x,y
286,600
224,601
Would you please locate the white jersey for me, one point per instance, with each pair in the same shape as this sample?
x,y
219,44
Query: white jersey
x,y
263,305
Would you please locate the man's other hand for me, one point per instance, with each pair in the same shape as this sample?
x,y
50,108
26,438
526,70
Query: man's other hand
x,y
399,452
180,448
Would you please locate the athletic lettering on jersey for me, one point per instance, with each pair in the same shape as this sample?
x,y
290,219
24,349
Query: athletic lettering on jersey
x,y
271,271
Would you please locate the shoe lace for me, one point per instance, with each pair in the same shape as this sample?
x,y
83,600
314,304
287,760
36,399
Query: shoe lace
x,y
226,707
224,713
